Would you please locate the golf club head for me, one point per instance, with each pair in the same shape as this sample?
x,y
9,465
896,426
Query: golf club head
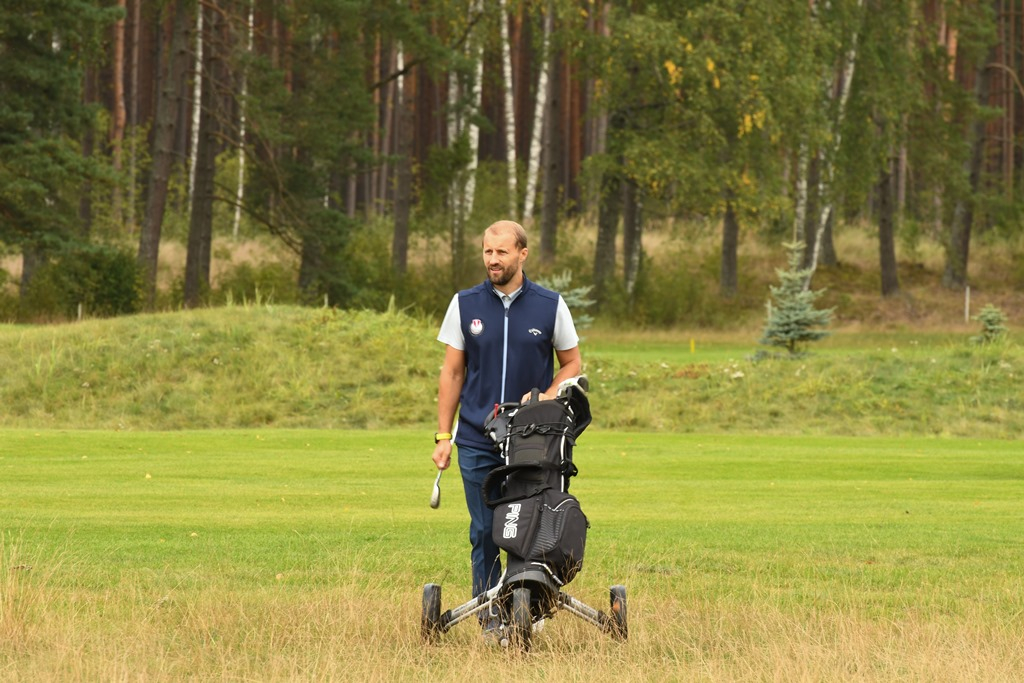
x,y
435,496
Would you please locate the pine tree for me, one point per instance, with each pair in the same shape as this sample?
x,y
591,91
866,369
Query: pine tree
x,y
792,316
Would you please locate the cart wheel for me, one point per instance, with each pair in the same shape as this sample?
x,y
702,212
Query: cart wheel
x,y
522,624
430,622
619,617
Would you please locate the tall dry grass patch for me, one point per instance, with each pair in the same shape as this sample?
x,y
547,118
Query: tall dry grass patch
x,y
371,633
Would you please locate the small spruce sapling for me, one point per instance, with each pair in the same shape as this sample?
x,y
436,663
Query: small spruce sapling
x,y
993,324
792,317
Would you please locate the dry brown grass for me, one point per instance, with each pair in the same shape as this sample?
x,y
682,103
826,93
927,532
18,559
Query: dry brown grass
x,y
347,633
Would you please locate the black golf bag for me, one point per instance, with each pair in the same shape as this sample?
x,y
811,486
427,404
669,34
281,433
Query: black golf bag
x,y
536,520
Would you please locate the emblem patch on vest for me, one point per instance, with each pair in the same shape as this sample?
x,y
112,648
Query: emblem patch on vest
x,y
535,332
476,327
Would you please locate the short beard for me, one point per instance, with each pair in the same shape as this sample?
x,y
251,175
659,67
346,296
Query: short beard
x,y
503,278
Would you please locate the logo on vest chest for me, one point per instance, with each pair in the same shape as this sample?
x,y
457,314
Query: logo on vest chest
x,y
476,327
535,332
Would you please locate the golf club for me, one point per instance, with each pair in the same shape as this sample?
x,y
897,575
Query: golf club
x,y
435,497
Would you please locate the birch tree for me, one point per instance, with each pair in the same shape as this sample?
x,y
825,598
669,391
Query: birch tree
x,y
510,111
844,80
243,95
539,110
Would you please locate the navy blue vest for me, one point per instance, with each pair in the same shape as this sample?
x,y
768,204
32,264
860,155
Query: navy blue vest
x,y
507,353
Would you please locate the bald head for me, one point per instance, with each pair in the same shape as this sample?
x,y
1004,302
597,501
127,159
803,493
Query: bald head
x,y
500,228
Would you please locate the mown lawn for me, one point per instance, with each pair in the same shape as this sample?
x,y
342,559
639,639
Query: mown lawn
x,y
300,554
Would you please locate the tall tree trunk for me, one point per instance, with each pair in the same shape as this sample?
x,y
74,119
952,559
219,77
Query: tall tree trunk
x,y
403,172
809,229
632,236
828,172
595,124
200,233
476,94
887,232
242,104
175,61
90,93
32,257
800,203
728,281
608,213
959,241
458,220
119,114
551,189
387,135
510,113
539,112
197,96
827,252
133,115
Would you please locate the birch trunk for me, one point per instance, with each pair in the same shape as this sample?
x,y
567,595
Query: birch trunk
x,y
197,87
540,107
474,130
828,171
510,113
242,103
403,173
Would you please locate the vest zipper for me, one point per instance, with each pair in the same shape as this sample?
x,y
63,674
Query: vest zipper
x,y
504,356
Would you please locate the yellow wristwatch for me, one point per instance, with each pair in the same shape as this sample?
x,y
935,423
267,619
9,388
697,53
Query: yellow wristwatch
x,y
438,436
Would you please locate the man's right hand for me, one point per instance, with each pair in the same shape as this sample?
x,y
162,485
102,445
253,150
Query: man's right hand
x,y
442,454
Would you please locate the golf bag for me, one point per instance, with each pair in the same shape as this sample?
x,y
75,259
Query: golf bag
x,y
536,520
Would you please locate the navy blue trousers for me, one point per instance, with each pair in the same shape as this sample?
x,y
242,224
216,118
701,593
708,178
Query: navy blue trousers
x,y
475,464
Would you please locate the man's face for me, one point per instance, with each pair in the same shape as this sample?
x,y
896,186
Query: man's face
x,y
501,257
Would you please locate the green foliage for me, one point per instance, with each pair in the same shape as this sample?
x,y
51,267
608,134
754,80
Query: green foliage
x,y
993,322
104,281
792,317
44,47
576,298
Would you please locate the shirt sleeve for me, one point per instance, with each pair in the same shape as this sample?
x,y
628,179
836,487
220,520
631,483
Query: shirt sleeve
x,y
451,327
565,336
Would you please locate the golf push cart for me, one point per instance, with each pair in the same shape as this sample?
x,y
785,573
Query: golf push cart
x,y
538,524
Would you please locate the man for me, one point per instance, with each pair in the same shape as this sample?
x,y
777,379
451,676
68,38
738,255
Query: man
x,y
501,339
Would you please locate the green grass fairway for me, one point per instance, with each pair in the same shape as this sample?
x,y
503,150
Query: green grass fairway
x,y
301,555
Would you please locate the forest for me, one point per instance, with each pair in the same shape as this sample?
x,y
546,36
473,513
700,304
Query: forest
x,y
371,141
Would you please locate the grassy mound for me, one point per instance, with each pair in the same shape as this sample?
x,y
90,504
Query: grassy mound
x,y
283,366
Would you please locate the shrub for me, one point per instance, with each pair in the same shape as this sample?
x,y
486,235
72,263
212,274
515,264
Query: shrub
x,y
105,281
